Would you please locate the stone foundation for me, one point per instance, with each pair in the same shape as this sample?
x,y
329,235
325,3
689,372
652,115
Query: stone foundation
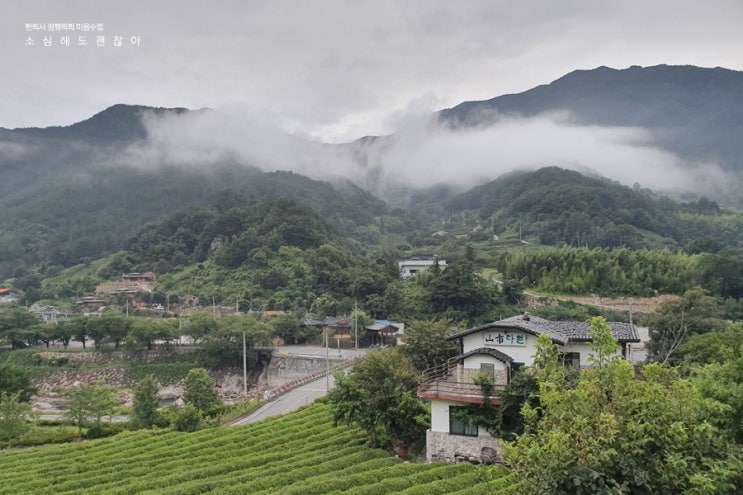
x,y
443,447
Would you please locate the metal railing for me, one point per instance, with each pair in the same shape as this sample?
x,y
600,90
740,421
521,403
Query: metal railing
x,y
447,379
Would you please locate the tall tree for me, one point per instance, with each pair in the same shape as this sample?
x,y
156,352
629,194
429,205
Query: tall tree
x,y
78,407
199,390
378,395
145,404
103,401
15,380
90,401
426,345
676,320
603,344
14,417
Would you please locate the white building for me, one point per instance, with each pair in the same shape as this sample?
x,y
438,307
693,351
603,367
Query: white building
x,y
410,267
497,349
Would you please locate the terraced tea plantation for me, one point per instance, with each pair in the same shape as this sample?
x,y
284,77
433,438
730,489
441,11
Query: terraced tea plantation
x,y
301,453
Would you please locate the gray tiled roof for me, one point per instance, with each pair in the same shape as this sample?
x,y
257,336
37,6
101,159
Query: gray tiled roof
x,y
561,332
500,356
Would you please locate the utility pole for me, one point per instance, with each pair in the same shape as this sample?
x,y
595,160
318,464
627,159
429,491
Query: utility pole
x,y
356,322
245,368
327,362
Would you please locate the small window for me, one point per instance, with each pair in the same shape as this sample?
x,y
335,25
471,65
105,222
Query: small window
x,y
571,360
488,369
458,427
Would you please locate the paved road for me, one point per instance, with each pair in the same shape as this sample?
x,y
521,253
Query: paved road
x,y
289,401
320,351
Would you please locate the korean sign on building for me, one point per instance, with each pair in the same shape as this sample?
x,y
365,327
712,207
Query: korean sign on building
x,y
505,338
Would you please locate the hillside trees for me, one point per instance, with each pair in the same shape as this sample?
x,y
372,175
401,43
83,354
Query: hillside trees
x,y
221,338
144,332
272,253
606,272
722,273
14,324
676,320
460,294
290,329
617,433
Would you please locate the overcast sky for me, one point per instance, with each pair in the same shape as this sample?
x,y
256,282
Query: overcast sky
x,y
335,70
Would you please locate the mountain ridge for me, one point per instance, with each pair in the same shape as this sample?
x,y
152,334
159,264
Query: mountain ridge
x,y
679,103
116,124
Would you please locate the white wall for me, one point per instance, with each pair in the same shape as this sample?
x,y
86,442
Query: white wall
x,y
440,415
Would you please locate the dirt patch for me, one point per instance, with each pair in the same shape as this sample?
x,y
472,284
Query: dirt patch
x,y
635,304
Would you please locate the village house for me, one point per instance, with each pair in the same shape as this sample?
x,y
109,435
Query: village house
x,y
410,267
385,332
90,302
498,350
129,283
144,278
49,314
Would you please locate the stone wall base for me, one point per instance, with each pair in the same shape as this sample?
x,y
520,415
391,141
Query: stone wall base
x,y
443,447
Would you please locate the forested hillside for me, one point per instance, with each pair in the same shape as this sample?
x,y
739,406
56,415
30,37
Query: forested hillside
x,y
556,206
80,207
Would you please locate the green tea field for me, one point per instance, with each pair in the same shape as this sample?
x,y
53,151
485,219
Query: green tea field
x,y
301,453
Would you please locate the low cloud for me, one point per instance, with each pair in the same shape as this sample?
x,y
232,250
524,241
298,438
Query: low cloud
x,y
11,151
424,152
203,139
434,153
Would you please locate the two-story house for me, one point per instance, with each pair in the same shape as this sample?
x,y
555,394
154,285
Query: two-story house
x,y
410,267
498,349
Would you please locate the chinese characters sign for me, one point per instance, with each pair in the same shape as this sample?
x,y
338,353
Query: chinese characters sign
x,y
82,34
505,338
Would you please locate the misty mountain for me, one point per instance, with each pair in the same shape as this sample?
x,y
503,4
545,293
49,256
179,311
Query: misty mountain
x,y
118,124
696,113
77,192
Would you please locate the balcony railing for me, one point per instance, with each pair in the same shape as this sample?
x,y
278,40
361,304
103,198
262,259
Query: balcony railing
x,y
451,381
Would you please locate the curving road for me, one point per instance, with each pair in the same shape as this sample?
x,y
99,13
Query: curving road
x,y
289,401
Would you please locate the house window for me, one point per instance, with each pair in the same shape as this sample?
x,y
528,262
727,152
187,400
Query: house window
x,y
571,360
458,427
488,369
